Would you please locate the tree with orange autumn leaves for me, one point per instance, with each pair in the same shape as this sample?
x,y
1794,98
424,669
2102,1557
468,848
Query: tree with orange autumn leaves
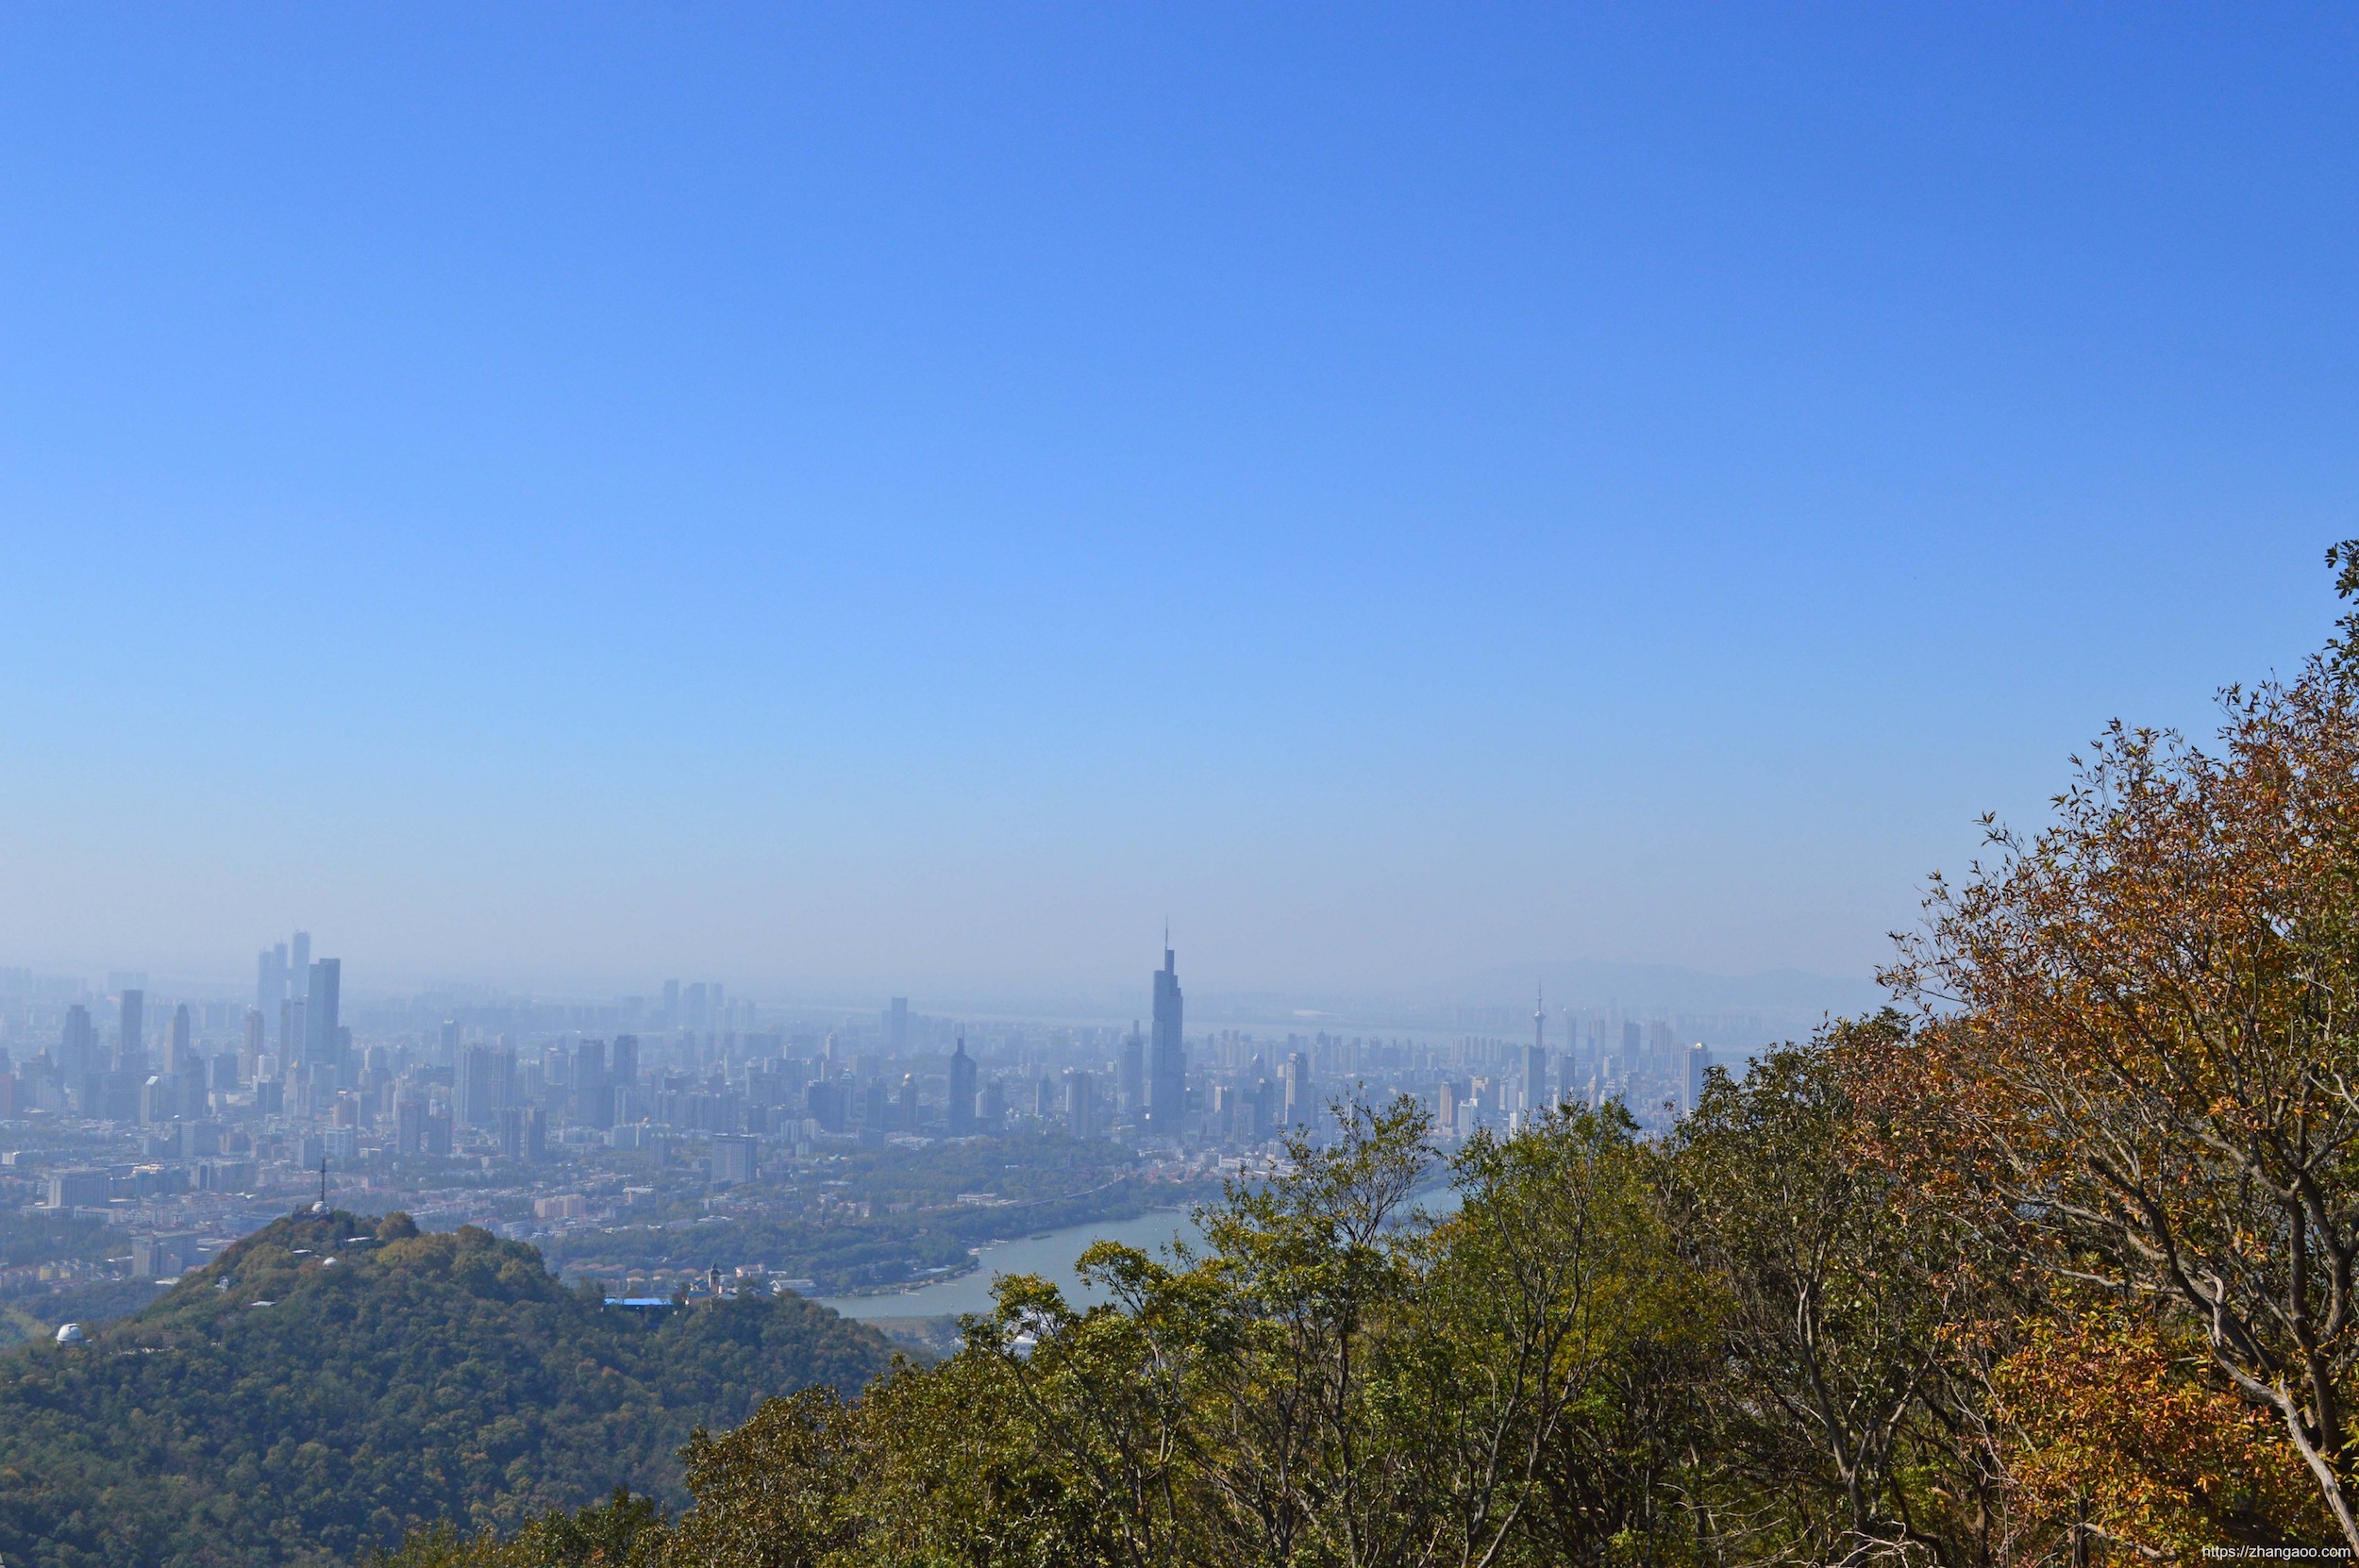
x,y
2137,1065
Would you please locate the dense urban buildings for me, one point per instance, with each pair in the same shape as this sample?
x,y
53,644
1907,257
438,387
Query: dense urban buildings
x,y
482,1109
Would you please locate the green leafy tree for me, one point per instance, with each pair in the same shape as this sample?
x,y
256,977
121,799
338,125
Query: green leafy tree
x,y
1846,1430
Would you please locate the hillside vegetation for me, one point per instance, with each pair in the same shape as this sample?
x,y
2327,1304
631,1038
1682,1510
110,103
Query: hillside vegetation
x,y
334,1381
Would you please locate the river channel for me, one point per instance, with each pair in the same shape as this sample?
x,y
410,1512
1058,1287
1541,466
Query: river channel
x,y
1050,1255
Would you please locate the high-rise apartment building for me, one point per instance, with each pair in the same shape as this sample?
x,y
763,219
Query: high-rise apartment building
x,y
1081,1105
522,1136
1167,1056
409,1124
897,1026
621,1061
735,1160
486,1085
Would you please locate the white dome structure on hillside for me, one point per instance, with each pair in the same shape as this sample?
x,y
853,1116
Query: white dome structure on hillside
x,y
69,1333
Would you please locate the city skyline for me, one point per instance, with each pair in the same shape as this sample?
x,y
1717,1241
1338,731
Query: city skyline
x,y
1794,999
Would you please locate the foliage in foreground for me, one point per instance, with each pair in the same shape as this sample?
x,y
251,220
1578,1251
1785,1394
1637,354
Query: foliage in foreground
x,y
1748,1345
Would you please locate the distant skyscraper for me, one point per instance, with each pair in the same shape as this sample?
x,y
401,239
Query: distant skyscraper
x,y
522,1135
671,1004
1081,1105
322,999
961,1091
1167,1056
622,1062
735,1160
270,979
299,964
1131,1077
897,1026
253,1043
486,1080
409,1124
593,1097
450,1041
1692,1092
131,1042
1537,1062
77,1046
1298,1090
182,1046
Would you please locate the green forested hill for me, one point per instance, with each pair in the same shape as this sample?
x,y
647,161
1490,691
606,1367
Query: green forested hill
x,y
281,1407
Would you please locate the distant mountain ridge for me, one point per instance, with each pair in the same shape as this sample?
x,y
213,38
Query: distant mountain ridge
x,y
1667,987
333,1381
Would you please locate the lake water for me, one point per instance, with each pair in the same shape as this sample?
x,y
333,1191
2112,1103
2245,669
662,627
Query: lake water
x,y
1050,1255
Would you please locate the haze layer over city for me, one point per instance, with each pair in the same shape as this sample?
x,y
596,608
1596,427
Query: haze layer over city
x,y
670,661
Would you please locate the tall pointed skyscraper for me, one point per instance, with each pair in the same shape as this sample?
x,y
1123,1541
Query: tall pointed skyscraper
x,y
1536,1059
1166,1058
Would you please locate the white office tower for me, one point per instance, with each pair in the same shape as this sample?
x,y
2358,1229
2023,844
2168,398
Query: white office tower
x,y
1692,1090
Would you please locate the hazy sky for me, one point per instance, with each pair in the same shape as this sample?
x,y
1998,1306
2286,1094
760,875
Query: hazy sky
x,y
912,495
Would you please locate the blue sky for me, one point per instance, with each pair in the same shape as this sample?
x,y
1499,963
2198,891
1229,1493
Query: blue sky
x,y
909,498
